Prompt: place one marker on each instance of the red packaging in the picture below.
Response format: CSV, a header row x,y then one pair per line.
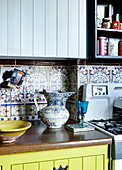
x,y
102,46
120,48
116,24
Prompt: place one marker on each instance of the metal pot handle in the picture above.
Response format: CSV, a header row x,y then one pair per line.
x,y
35,100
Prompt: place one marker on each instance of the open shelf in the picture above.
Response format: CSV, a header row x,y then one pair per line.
x,y
108,56
109,29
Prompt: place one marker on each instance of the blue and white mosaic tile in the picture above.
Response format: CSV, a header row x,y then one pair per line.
x,y
83,75
99,74
117,74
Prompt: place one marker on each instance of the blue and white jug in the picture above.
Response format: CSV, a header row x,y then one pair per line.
x,y
54,115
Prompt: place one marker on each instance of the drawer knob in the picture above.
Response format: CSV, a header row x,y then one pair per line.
x,y
60,168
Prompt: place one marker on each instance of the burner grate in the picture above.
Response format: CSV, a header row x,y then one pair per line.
x,y
111,125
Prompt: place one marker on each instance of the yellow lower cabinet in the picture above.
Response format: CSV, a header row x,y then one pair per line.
x,y
82,158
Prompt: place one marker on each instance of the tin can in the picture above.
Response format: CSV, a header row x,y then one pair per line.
x,y
120,48
113,48
102,46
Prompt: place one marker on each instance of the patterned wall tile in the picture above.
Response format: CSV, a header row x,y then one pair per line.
x,y
99,74
58,78
37,78
83,75
116,74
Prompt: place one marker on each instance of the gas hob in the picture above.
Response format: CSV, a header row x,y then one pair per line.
x,y
112,127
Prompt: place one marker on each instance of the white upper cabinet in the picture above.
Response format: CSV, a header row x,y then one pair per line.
x,y
43,28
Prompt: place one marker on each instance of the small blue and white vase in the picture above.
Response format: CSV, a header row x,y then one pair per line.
x,y
54,115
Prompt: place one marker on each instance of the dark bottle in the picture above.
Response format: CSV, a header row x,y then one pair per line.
x,y
115,16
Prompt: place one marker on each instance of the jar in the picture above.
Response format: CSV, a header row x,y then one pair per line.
x,y
106,23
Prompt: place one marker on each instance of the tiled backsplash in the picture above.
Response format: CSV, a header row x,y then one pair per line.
x,y
19,104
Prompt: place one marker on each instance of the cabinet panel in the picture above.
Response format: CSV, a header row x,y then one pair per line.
x,y
75,163
27,27
46,165
62,49
73,28
39,27
63,163
51,28
3,27
14,27
89,163
31,166
100,162
17,167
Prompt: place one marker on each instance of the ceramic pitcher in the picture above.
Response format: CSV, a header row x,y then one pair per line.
x,y
54,115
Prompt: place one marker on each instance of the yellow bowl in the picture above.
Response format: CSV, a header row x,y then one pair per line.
x,y
10,130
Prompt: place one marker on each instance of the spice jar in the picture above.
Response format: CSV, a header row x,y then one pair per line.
x,y
106,23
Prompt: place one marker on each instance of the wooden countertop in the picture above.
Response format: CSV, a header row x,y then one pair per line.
x,y
39,138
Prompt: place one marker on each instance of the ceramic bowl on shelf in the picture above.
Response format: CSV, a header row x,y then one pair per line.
x,y
10,130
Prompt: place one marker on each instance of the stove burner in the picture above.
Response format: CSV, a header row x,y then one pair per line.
x,y
111,125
